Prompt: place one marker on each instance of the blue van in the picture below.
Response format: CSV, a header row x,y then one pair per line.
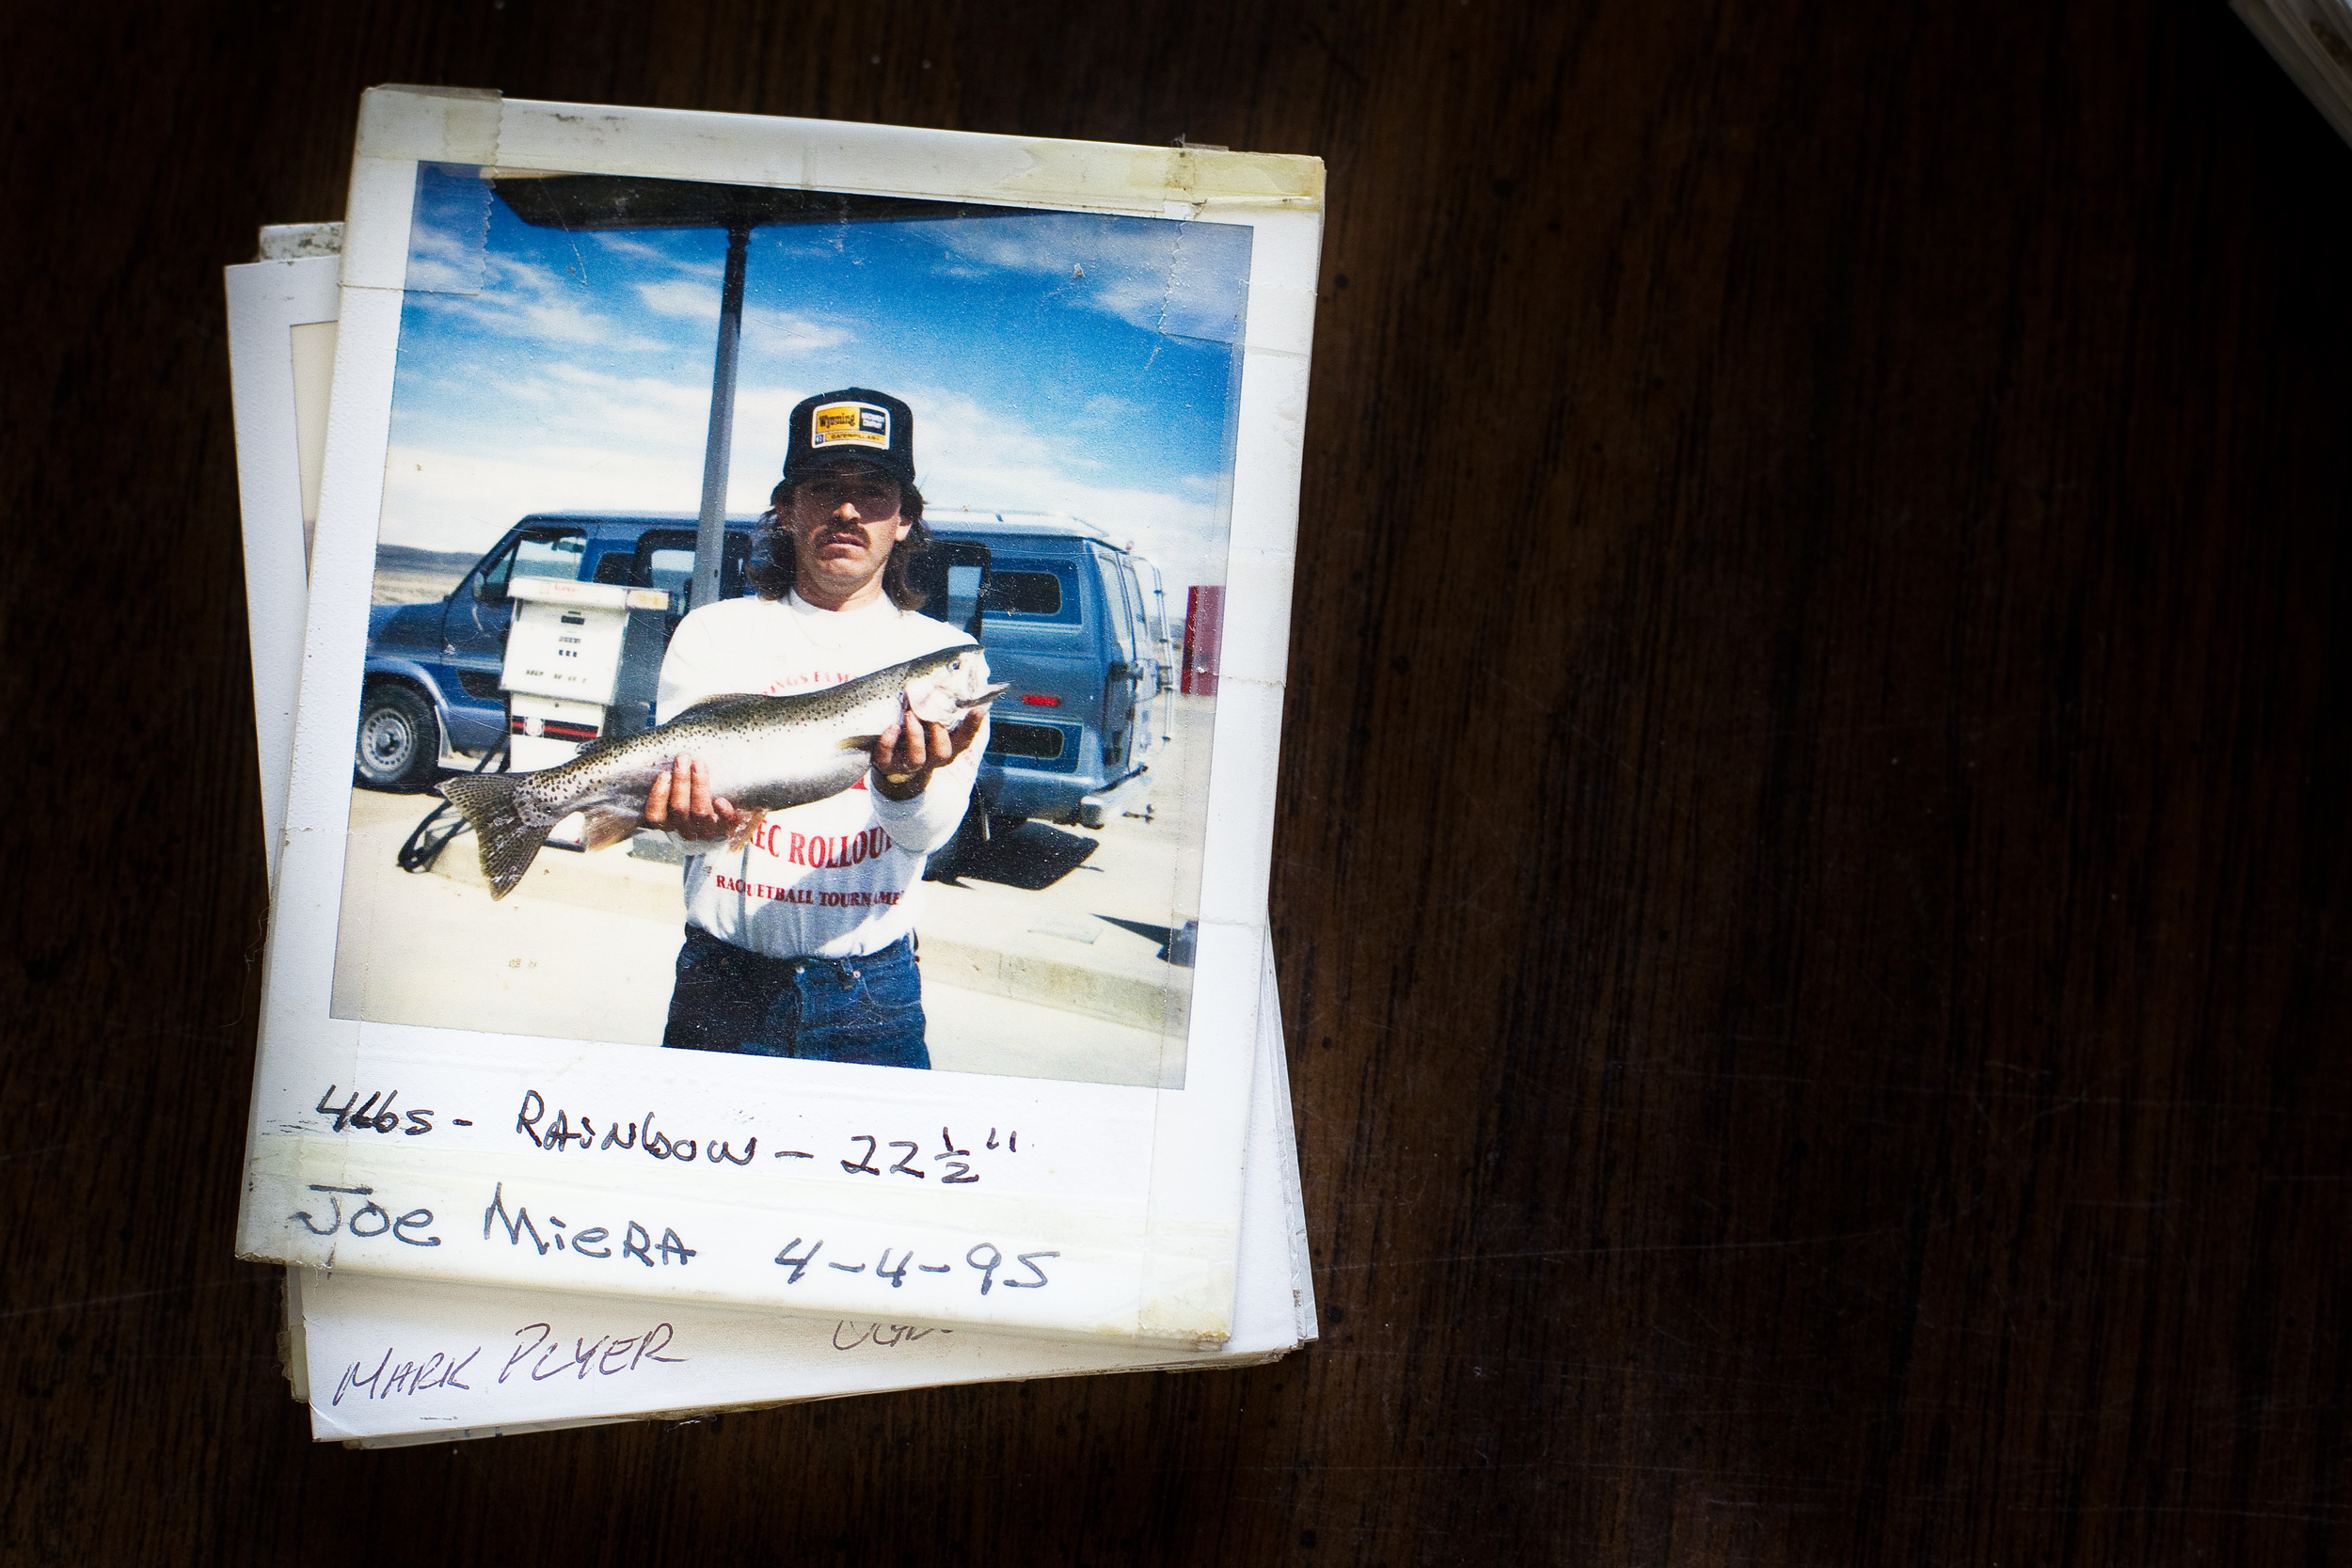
x,y
1075,619
1079,624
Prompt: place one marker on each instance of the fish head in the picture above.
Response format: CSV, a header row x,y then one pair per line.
x,y
941,689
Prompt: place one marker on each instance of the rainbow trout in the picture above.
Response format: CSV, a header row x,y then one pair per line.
x,y
764,753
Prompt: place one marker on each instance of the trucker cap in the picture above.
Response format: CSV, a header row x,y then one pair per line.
x,y
855,424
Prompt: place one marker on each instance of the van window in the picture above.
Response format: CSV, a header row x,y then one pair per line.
x,y
1031,587
490,585
1024,593
1025,740
553,556
1164,644
1042,747
1137,606
670,570
666,561
963,593
1118,603
541,553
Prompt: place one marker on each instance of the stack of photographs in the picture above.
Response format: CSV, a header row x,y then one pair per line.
x,y
768,659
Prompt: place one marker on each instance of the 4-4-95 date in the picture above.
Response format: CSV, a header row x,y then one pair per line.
x,y
985,1259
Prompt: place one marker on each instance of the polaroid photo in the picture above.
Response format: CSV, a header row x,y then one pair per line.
x,y
281,315
835,579
281,355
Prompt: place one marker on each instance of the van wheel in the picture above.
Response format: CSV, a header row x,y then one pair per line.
x,y
398,741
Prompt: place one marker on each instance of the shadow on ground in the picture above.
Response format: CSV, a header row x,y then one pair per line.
x,y
1030,857
1176,942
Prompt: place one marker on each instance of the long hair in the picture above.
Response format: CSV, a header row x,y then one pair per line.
x,y
774,565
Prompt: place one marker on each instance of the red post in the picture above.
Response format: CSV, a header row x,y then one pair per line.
x,y
1204,638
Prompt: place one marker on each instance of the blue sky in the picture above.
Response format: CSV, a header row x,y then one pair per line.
x,y
1055,361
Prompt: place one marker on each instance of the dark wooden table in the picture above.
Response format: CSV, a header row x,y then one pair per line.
x,y
1814,887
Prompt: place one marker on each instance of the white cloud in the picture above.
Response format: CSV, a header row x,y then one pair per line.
x,y
1102,405
1164,277
971,457
638,254
572,438
776,330
440,500
444,261
521,299
599,441
765,327
683,297
439,275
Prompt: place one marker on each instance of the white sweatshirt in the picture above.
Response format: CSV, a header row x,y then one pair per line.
x,y
837,877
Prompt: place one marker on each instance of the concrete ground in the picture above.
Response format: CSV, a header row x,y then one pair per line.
x,y
1046,954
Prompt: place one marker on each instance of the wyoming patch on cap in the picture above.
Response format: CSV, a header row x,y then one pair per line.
x,y
863,424
855,423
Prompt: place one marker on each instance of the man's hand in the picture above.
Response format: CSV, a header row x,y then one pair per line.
x,y
905,753
680,801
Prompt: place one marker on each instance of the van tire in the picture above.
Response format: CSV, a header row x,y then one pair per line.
x,y
400,741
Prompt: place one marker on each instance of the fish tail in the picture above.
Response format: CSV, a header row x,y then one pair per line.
x,y
508,838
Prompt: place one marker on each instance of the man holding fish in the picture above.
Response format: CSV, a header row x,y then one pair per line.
x,y
815,744
798,936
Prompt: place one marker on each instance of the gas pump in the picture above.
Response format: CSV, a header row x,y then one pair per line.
x,y
562,665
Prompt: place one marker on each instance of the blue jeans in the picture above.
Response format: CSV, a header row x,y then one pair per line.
x,y
868,1010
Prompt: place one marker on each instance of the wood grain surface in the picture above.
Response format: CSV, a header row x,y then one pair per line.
x,y
1814,886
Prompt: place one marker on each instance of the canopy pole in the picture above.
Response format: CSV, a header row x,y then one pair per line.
x,y
710,536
